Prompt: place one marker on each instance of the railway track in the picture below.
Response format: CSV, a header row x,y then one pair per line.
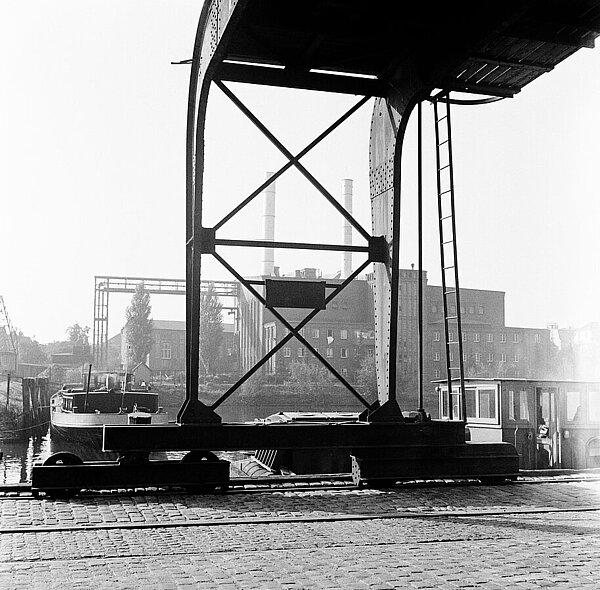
x,y
279,484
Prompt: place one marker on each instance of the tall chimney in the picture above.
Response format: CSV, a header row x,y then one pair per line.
x,y
346,227
269,226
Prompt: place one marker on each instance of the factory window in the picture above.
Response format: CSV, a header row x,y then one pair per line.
x,y
480,309
165,350
330,333
477,357
344,372
287,352
476,337
436,356
515,338
453,309
503,338
301,352
490,357
344,353
344,334
503,358
301,331
464,336
490,338
436,336
516,358
370,352
436,373
451,336
471,309
329,353
536,338
451,357
315,333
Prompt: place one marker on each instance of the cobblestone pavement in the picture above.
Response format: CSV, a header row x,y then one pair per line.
x,y
516,536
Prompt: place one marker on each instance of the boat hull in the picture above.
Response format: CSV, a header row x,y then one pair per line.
x,y
88,428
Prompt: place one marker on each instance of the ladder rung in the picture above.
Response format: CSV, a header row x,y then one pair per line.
x,y
455,368
452,317
442,118
442,143
445,192
449,292
453,342
448,267
448,241
446,217
444,167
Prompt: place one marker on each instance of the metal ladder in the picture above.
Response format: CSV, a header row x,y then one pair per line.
x,y
448,252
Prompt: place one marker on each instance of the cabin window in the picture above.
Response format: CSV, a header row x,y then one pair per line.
x,y
436,336
523,405
574,406
481,402
344,334
287,352
344,353
315,333
518,409
594,406
329,353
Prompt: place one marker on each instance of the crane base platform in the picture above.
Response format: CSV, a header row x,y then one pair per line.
x,y
488,462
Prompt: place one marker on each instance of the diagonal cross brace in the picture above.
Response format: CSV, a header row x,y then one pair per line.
x,y
293,331
293,160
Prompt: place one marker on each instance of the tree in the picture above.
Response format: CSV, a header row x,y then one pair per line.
x,y
138,327
366,378
78,335
308,378
211,330
30,350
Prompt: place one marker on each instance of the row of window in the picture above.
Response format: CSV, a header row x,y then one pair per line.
x,y
514,358
477,337
329,332
302,352
471,309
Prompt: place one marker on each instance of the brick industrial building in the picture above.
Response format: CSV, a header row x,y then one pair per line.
x,y
344,335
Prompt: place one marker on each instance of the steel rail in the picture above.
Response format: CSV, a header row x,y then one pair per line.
x,y
262,520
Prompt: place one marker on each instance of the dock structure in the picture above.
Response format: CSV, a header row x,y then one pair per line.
x,y
398,57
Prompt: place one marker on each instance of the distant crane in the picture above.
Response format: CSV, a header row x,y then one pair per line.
x,y
8,339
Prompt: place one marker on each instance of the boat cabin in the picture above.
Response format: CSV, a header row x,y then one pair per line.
x,y
108,402
552,424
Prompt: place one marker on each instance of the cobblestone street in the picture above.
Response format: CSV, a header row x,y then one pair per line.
x,y
515,536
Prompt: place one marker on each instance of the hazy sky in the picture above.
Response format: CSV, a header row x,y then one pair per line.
x,y
92,170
